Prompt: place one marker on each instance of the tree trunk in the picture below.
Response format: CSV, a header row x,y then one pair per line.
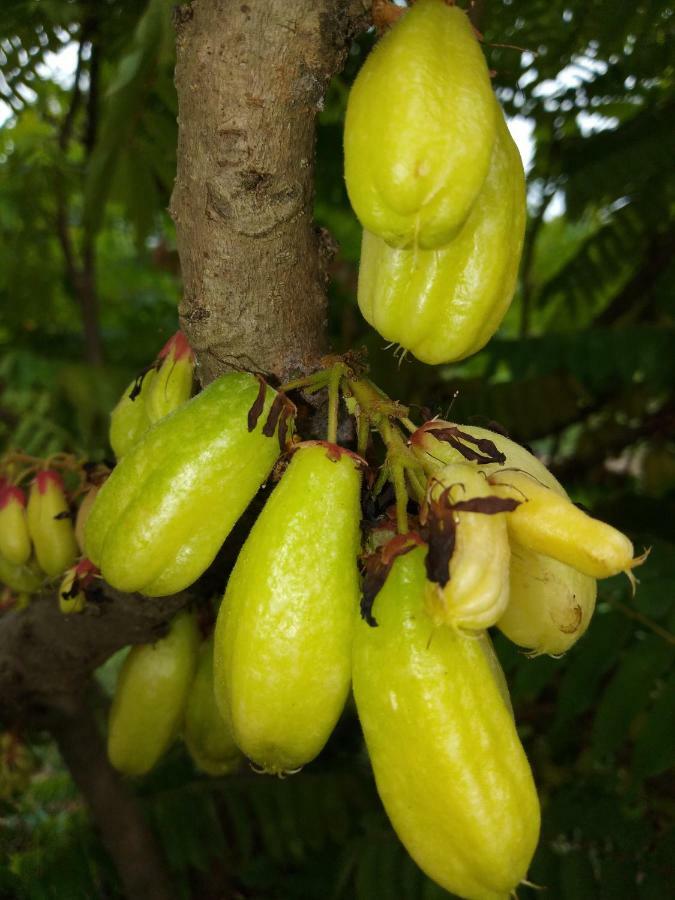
x,y
114,809
251,78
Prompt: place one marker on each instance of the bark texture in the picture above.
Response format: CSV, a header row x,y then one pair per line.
x,y
251,77
46,658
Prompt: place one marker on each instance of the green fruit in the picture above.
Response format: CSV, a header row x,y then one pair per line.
x,y
419,128
163,514
150,697
448,763
172,384
445,304
129,420
207,735
15,544
26,578
49,524
284,631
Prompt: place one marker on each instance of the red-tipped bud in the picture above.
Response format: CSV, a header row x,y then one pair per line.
x,y
12,494
47,477
177,347
49,523
15,545
172,384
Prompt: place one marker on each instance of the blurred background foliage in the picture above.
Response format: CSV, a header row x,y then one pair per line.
x,y
583,370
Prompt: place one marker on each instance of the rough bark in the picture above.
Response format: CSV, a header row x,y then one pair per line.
x,y
251,78
115,810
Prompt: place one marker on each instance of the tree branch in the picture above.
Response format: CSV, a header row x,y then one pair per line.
x,y
46,658
251,78
116,812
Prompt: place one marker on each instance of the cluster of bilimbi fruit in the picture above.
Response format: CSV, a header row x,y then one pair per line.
x,y
321,597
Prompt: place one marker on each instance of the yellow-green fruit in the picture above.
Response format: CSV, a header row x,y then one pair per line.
x,y
15,544
477,588
172,384
419,128
150,697
550,524
163,514
445,304
207,735
83,511
550,603
284,631
27,577
49,523
448,763
69,602
438,452
129,420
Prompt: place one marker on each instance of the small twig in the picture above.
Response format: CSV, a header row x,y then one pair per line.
x,y
653,626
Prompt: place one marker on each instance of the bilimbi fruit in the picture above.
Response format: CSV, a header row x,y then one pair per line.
x,y
49,523
547,523
284,630
550,604
83,511
15,543
150,697
26,578
129,420
164,512
162,388
72,596
445,304
206,732
558,551
420,125
469,556
448,763
172,385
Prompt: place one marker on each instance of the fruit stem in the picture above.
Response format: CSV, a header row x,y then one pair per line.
x,y
316,381
362,433
401,492
335,376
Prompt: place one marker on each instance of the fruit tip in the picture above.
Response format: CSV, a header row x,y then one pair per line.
x,y
178,347
46,476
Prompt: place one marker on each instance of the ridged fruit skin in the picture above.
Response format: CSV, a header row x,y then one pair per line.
x,y
477,591
448,763
164,512
15,543
419,128
53,538
129,420
445,304
172,384
284,630
552,525
149,702
207,735
550,604
27,578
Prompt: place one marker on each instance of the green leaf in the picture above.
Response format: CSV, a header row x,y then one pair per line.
x,y
628,692
655,746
